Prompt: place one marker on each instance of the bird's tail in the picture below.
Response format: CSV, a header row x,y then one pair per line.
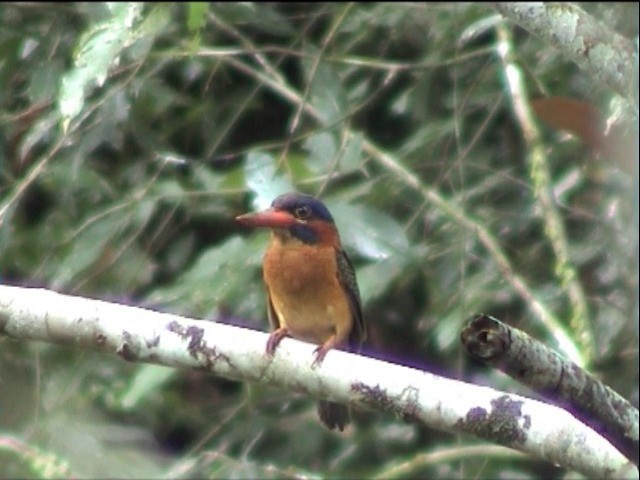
x,y
333,415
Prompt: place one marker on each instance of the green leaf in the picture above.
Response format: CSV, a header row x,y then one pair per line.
x,y
261,17
86,248
39,133
263,179
374,279
153,24
43,87
220,274
352,154
373,234
98,49
88,430
326,93
322,151
197,15
169,190
147,381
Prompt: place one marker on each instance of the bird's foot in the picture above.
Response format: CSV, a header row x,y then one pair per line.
x,y
274,339
319,353
322,351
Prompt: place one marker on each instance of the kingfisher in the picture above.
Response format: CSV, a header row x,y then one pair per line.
x,y
312,293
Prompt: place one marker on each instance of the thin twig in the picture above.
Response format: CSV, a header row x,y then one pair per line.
x,y
411,468
541,178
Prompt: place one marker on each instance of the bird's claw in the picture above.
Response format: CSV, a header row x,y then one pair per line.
x,y
274,339
271,346
320,353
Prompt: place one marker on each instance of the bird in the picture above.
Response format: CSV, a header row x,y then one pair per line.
x,y
311,287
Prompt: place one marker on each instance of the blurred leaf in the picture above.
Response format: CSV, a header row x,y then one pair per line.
x,y
326,93
570,115
324,156
263,180
197,15
22,460
322,151
93,444
41,132
169,189
43,87
85,249
219,276
99,47
374,279
153,24
62,180
373,234
211,181
196,20
259,16
147,381
352,154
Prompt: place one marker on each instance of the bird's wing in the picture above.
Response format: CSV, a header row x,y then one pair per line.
x,y
347,278
273,316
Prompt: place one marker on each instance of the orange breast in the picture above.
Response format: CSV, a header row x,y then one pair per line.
x,y
305,291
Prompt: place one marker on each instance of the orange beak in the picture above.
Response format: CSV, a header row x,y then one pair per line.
x,y
269,218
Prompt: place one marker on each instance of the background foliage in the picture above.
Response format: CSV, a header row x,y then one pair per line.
x,y
132,134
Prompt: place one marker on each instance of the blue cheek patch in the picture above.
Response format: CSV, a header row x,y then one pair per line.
x,y
304,233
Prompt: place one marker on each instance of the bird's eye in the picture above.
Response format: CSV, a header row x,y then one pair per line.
x,y
302,212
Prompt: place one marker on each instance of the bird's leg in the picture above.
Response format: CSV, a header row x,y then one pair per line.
x,y
322,350
274,339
